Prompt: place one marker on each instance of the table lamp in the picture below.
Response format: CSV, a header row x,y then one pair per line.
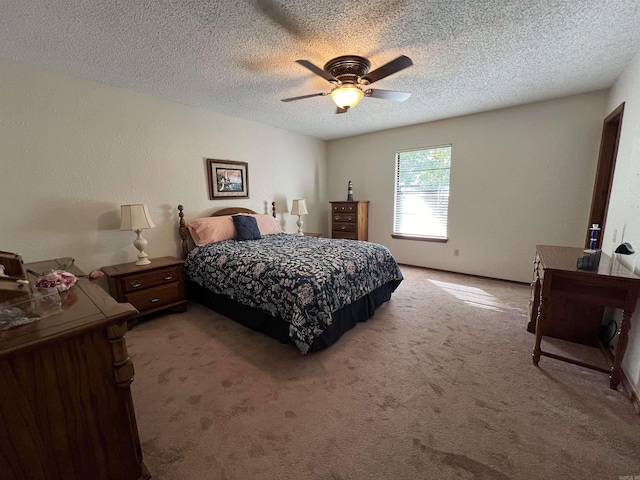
x,y
136,217
299,208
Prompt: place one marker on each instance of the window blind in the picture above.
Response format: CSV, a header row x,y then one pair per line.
x,y
422,192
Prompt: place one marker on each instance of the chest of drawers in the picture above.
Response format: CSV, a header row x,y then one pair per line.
x,y
349,219
149,288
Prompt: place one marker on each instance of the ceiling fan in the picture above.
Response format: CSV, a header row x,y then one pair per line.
x,y
351,78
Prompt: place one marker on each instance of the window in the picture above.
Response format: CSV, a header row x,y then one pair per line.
x,y
421,203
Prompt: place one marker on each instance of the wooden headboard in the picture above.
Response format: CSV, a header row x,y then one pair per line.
x,y
183,231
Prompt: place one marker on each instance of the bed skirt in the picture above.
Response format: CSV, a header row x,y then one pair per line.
x,y
342,320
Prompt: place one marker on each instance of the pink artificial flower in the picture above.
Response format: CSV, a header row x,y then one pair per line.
x,y
95,274
58,279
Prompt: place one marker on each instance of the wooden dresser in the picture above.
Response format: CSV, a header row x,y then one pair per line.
x,y
149,288
66,411
350,219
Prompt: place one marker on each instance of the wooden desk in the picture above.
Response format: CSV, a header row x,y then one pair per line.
x,y
66,411
612,285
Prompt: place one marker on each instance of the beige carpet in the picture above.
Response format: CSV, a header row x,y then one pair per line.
x,y
439,384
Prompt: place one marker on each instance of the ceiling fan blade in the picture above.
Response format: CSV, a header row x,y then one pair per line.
x,y
388,95
317,70
341,110
387,69
291,99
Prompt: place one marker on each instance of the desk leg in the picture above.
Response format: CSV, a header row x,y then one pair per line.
x,y
620,349
541,322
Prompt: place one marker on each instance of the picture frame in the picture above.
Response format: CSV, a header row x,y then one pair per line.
x,y
227,179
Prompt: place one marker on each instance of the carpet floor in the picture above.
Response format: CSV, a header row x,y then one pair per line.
x,y
439,384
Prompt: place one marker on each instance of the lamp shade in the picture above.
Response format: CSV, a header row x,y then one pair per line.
x,y
299,207
135,217
347,96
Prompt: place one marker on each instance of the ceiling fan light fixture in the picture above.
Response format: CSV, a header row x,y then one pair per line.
x,y
347,96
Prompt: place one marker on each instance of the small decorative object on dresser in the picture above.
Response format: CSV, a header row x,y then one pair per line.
x,y
593,238
136,217
148,288
349,191
350,220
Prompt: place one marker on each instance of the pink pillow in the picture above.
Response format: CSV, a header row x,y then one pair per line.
x,y
267,224
211,229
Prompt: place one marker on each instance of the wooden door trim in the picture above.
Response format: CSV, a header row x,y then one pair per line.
x,y
610,139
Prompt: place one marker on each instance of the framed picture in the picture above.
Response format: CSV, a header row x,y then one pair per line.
x,y
227,179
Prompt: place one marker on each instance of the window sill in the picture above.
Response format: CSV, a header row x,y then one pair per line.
x,y
419,238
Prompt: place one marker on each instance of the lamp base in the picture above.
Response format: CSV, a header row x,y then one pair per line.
x,y
141,244
299,223
143,261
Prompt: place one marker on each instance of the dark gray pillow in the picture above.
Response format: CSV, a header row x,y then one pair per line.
x,y
246,227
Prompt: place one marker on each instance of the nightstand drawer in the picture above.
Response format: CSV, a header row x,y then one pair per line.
x,y
155,297
344,217
153,278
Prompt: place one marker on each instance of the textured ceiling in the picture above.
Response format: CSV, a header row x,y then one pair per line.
x,y
237,57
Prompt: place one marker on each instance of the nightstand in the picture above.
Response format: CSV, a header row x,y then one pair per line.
x,y
309,234
149,288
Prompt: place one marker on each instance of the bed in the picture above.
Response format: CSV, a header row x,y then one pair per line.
x,y
298,289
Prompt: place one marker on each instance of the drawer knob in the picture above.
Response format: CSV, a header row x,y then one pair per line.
x,y
154,300
168,277
136,283
342,227
336,218
350,218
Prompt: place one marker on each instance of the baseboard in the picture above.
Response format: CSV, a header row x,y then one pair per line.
x,y
466,274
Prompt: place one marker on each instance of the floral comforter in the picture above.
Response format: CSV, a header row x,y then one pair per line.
x,y
300,279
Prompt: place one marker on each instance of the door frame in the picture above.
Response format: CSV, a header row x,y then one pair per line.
x,y
611,129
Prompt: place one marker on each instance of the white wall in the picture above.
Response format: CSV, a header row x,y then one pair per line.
x,y
624,206
73,151
520,176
